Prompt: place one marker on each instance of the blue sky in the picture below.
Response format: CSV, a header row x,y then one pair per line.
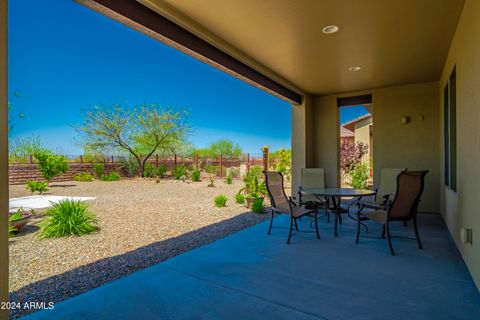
x,y
64,57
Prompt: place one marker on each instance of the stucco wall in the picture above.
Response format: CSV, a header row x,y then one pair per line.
x,y
414,145
460,209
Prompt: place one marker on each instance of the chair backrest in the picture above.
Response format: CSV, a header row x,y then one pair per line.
x,y
388,183
410,186
276,192
313,178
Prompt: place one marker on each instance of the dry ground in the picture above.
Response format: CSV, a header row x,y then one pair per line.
x,y
142,223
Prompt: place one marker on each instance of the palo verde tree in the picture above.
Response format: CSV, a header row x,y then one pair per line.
x,y
139,130
225,147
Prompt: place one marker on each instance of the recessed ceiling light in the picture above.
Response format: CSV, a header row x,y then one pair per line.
x,y
354,68
330,29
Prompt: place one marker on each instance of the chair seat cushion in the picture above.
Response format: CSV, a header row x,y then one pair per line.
x,y
379,216
371,204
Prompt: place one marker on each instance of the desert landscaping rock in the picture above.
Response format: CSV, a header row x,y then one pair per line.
x,y
141,223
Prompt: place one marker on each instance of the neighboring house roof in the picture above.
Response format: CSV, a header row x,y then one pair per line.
x,y
350,125
345,133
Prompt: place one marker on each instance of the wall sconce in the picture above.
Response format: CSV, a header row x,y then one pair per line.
x,y
421,118
405,119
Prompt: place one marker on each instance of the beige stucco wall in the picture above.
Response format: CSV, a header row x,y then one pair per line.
x,y
362,134
461,209
414,145
3,159
301,139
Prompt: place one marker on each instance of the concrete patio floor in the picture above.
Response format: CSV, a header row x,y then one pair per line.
x,y
250,275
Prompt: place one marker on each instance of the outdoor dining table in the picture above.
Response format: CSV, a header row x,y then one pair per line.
x,y
333,194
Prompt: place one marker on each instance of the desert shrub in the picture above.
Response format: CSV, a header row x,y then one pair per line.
x,y
179,172
99,169
258,206
67,218
234,171
229,179
360,176
83,177
196,175
239,198
112,176
149,170
220,200
37,186
161,170
130,167
50,164
212,169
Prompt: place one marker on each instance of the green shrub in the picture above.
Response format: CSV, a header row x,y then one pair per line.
x,y
179,172
50,164
67,218
37,186
360,176
149,170
229,179
212,169
130,167
112,176
220,200
83,177
161,170
258,206
239,198
196,175
99,170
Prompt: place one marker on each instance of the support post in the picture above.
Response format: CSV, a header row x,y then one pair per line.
x,y
81,159
156,160
175,160
248,162
265,158
221,166
30,159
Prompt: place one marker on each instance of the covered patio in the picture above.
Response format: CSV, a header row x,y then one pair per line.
x,y
250,275
418,62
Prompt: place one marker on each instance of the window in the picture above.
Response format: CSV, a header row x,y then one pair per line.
x,y
450,130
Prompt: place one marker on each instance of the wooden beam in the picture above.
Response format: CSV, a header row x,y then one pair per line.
x,y
354,101
145,20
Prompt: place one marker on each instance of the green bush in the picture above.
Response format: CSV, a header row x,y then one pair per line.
x,y
112,176
67,218
179,172
99,170
212,169
161,170
196,175
130,167
258,206
220,200
37,186
149,170
360,176
83,177
50,165
239,198
229,179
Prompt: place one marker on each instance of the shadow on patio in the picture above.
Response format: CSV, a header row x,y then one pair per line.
x,y
85,278
250,275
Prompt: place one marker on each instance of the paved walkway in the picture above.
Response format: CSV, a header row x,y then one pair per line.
x,y
250,275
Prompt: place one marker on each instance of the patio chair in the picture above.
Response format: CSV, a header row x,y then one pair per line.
x,y
410,186
385,190
280,203
313,178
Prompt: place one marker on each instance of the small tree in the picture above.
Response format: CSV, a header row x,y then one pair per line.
x,y
225,147
283,162
50,164
141,130
351,155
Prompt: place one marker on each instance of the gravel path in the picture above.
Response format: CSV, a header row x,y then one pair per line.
x,y
142,223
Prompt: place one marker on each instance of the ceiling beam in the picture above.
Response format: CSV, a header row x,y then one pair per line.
x,y
143,19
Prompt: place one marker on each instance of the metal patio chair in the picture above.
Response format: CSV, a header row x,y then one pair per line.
x,y
280,203
410,185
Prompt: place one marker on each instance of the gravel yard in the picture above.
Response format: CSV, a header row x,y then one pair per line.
x,y
142,223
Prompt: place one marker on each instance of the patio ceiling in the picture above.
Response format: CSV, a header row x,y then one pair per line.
x,y
394,42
